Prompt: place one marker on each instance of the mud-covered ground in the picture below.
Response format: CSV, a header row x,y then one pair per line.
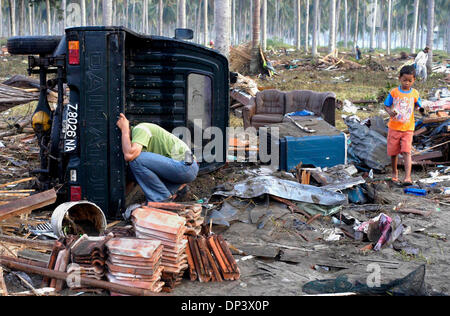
x,y
276,260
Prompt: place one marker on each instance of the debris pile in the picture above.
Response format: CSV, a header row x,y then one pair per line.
x,y
331,62
135,262
169,228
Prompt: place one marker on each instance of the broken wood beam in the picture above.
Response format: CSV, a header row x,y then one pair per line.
x,y
27,204
16,182
25,261
39,244
134,291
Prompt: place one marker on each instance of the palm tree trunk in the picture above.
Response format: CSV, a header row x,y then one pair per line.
x,y
49,19
222,16
345,24
256,26
181,20
92,12
332,38
416,16
205,22
145,16
160,20
430,32
233,22
107,12
30,16
21,17
315,25
83,12
388,38
307,26
1,19
319,28
298,28
355,37
374,25
12,16
338,18
264,24
64,13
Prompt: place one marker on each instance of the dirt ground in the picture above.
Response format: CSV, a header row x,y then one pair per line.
x,y
276,260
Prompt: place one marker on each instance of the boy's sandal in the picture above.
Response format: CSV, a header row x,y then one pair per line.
x,y
407,184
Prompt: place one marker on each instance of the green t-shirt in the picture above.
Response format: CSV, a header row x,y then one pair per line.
x,y
157,140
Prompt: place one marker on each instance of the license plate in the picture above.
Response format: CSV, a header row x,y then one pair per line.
x,y
70,128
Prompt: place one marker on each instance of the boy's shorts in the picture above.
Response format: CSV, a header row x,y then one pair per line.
x,y
399,142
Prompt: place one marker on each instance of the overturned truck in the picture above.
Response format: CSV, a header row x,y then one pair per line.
x,y
106,71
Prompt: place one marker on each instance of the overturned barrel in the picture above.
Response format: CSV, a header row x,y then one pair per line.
x,y
77,218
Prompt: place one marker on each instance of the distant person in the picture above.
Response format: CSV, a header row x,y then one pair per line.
x,y
160,162
400,105
211,44
358,53
421,64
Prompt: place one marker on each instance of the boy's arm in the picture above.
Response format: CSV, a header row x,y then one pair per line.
x,y
388,105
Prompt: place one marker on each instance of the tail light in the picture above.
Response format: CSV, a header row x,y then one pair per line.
x,y
75,193
74,52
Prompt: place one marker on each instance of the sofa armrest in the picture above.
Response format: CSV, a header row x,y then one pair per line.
x,y
329,111
248,111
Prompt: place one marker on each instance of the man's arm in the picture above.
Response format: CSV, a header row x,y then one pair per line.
x,y
130,150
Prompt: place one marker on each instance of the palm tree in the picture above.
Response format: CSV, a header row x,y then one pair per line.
x,y
430,32
298,28
307,25
222,17
83,12
205,22
345,24
374,24
12,16
332,40
49,19
264,24
107,12
416,16
255,36
388,38
160,20
181,22
315,26
355,36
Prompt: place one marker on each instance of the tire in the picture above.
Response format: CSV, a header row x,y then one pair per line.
x,y
33,45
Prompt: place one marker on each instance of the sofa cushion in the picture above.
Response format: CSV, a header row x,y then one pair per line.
x,y
267,118
270,102
298,100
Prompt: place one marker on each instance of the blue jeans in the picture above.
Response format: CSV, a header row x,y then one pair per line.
x,y
159,176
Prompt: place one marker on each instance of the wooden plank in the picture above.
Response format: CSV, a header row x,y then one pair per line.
x,y
16,182
27,204
4,290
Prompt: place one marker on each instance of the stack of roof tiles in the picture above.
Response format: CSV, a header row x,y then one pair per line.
x,y
210,259
88,256
169,229
192,213
135,262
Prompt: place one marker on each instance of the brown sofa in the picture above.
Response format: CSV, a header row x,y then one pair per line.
x,y
270,106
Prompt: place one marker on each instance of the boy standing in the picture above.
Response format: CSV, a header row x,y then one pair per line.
x,y
400,105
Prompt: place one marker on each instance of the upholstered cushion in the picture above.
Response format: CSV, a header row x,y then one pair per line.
x,y
270,102
267,118
298,100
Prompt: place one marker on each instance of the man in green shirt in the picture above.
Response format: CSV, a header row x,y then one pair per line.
x,y
159,161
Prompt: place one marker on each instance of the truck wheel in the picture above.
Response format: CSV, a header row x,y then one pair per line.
x,y
32,45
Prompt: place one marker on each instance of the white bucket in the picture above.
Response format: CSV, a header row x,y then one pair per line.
x,y
88,217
